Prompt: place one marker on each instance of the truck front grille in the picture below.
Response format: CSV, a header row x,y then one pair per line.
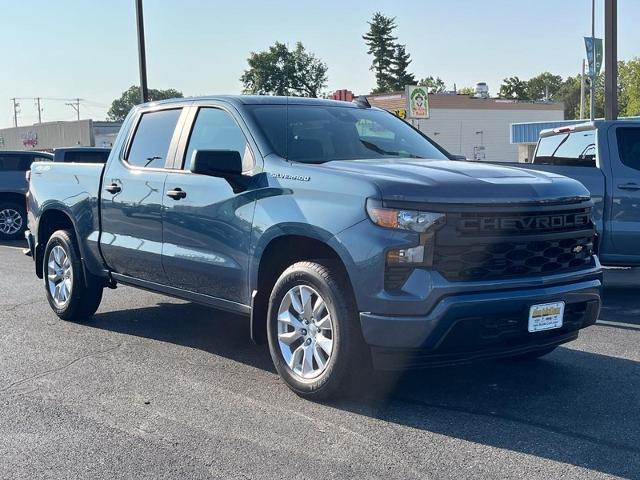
x,y
482,246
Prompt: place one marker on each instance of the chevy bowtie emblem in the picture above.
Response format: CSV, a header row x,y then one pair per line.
x,y
577,249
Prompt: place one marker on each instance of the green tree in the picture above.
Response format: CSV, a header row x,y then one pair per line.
x,y
629,87
569,94
514,88
544,86
120,107
434,85
399,66
466,91
382,47
281,71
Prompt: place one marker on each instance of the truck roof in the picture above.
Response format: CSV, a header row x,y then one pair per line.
x,y
587,125
256,100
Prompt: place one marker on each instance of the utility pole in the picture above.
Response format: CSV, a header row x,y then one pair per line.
x,y
39,110
592,91
582,92
611,59
16,105
142,57
76,106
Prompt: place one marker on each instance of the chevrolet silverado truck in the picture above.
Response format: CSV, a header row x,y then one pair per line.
x,y
605,157
347,237
14,166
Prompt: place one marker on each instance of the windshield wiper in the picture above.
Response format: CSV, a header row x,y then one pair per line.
x,y
377,149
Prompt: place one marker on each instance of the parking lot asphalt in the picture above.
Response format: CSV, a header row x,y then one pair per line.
x,y
157,388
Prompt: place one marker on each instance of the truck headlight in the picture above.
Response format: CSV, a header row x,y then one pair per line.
x,y
412,220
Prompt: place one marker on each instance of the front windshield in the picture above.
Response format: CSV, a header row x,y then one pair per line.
x,y
317,134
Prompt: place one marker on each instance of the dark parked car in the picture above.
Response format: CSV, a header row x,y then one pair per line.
x,y
346,235
13,189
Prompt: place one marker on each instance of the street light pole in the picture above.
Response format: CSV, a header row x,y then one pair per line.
x,y
611,59
144,91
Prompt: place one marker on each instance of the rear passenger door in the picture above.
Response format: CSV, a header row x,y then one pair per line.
x,y
132,196
624,144
207,231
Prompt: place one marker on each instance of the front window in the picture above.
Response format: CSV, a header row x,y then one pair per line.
x,y
317,134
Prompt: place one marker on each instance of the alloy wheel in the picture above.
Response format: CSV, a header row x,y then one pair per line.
x,y
305,332
59,276
10,221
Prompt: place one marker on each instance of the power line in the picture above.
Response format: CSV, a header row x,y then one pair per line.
x,y
76,106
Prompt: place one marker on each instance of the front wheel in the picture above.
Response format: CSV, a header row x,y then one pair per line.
x,y
314,333
69,295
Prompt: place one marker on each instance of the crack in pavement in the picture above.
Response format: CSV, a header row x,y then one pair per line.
x,y
57,369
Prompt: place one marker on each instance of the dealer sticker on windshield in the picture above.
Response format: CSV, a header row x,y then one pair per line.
x,y
546,316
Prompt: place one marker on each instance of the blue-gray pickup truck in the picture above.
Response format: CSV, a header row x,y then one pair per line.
x,y
349,238
605,157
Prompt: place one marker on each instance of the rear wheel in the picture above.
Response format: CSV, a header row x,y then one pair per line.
x,y
13,220
69,295
314,333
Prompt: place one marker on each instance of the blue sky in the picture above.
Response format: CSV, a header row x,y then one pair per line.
x,y
87,49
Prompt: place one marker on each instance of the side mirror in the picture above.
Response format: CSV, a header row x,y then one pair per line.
x,y
217,163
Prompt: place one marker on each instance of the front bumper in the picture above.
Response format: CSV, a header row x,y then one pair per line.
x,y
466,327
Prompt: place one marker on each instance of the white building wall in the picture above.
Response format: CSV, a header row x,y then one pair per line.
x,y
455,129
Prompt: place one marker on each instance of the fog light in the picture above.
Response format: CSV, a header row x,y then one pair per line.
x,y
413,255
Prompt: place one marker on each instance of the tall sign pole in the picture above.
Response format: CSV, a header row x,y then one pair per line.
x,y
611,59
142,57
592,89
582,92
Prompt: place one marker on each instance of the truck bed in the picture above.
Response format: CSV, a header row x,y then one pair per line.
x,y
73,188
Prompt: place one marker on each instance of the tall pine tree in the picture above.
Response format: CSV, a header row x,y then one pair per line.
x,y
399,65
381,43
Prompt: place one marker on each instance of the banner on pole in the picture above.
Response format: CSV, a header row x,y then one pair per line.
x,y
590,44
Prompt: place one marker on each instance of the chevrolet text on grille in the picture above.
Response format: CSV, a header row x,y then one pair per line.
x,y
526,223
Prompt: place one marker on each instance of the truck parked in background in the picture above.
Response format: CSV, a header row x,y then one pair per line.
x,y
605,157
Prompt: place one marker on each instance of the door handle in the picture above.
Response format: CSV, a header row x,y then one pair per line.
x,y
629,186
176,193
113,188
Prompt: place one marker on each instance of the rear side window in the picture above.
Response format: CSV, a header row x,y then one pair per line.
x,y
85,157
15,163
577,149
152,138
629,146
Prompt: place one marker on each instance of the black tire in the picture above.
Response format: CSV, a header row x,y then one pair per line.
x,y
86,294
13,208
349,357
531,356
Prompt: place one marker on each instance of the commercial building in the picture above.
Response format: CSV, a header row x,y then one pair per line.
x,y
50,135
474,126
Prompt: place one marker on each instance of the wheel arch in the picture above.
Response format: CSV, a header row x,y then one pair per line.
x,y
53,218
275,255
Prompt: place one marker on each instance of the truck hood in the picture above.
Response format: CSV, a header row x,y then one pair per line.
x,y
444,181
